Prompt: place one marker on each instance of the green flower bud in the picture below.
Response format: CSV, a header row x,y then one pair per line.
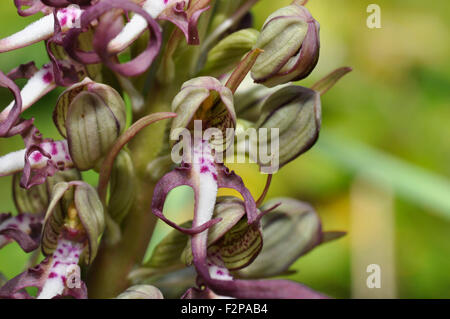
x,y
203,98
249,97
122,187
35,200
296,112
75,213
289,231
290,40
223,57
91,116
232,239
141,292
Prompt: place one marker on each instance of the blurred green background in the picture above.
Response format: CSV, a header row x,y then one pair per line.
x,y
384,142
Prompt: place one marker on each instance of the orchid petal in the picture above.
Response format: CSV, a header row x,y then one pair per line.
x,y
37,86
186,22
178,177
25,229
34,6
134,28
41,29
65,257
23,71
52,276
36,158
107,30
10,119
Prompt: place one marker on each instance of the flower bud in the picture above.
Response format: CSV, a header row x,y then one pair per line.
x,y
223,57
296,112
75,214
91,116
232,240
290,230
206,99
36,199
199,98
290,40
141,292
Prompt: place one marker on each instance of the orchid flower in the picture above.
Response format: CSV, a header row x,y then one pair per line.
x,y
73,223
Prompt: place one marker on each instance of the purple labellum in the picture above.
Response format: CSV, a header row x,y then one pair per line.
x,y
23,71
34,6
37,161
108,28
204,176
25,229
44,160
217,278
9,118
38,85
64,260
176,13
56,276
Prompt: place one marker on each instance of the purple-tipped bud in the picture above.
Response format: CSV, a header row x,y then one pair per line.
x,y
290,40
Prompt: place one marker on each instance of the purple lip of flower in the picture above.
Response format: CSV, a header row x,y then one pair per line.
x,y
50,276
24,228
41,157
35,6
205,177
106,31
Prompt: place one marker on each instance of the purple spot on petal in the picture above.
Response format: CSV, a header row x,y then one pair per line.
x,y
54,149
60,251
48,77
53,275
204,169
37,157
64,21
